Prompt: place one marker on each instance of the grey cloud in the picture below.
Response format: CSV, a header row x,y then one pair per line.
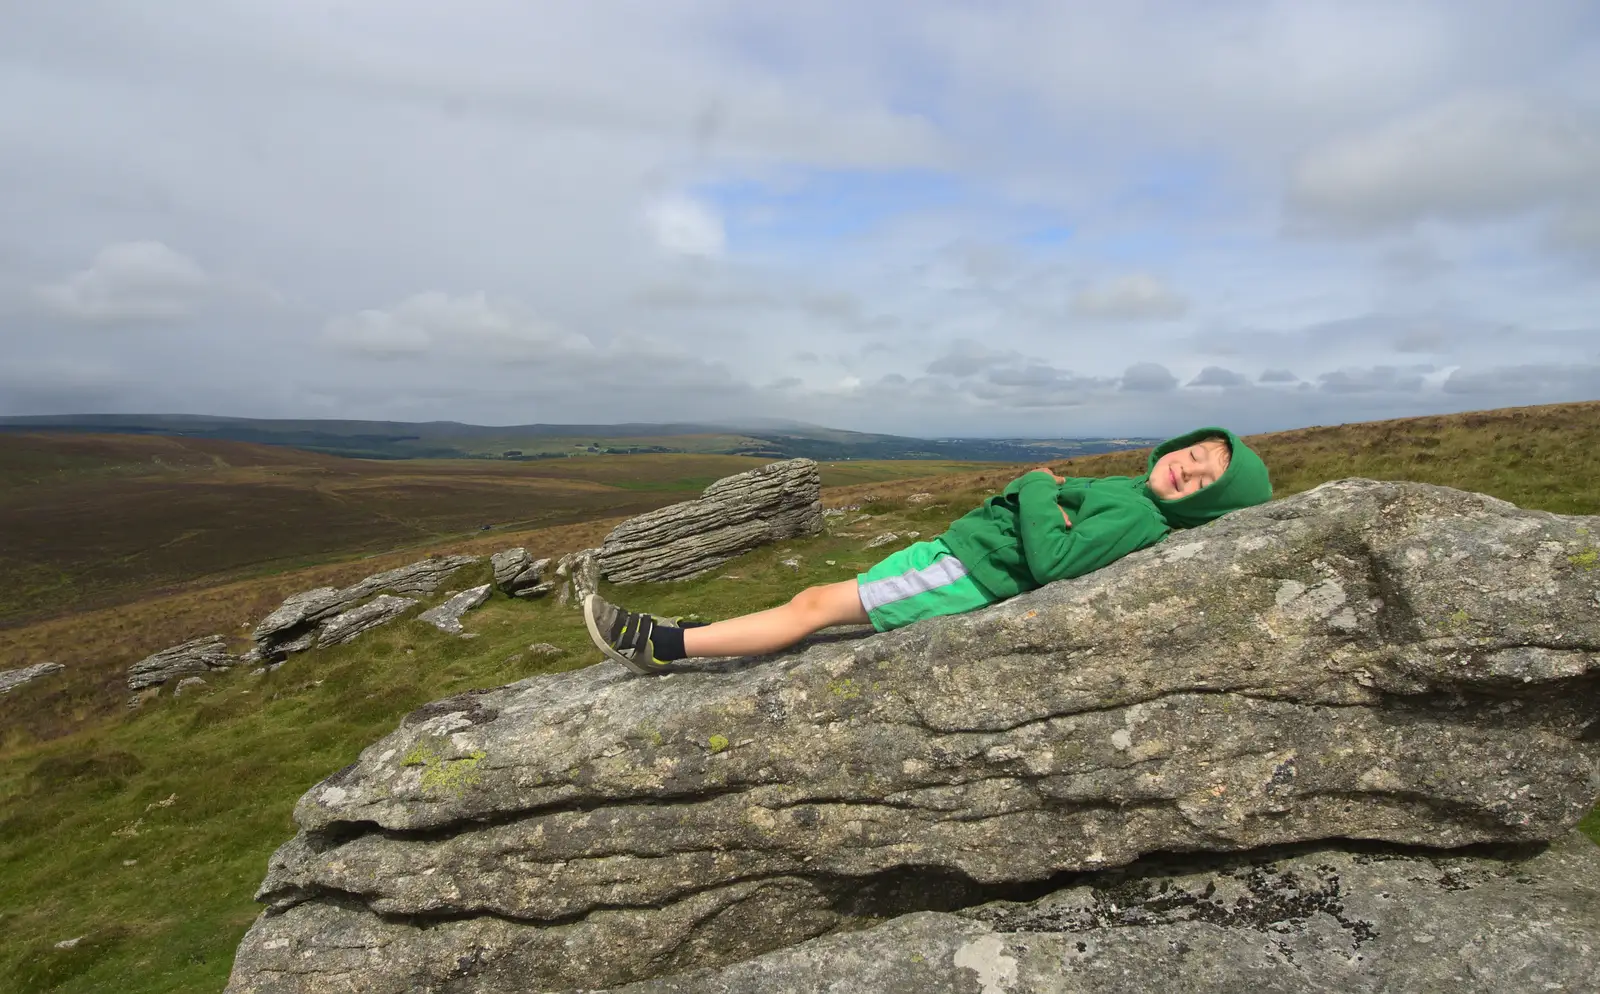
x,y
1277,376
804,356
1134,297
1465,159
1148,377
1541,383
1374,379
968,358
785,383
1216,376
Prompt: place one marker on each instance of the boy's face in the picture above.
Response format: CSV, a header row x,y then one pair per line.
x,y
1181,472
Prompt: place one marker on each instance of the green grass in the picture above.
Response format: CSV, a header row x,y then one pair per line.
x,y
75,810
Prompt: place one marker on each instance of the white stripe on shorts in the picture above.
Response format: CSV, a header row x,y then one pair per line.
x,y
942,572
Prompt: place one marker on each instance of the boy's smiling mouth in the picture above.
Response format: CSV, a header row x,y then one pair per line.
x,y
1173,475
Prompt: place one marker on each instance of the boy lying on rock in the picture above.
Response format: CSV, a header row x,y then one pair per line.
x,y
1040,528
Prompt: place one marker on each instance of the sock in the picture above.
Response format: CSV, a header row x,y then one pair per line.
x,y
666,641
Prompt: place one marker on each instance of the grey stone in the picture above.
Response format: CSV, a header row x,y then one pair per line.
x,y
1394,662
883,540
577,576
202,655
546,649
447,616
920,498
1329,922
518,574
381,610
732,516
293,626
12,679
188,683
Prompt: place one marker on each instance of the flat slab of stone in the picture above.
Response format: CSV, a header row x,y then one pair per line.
x,y
1380,661
12,679
447,616
732,516
202,655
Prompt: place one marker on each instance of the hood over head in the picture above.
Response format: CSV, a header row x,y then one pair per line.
x,y
1243,484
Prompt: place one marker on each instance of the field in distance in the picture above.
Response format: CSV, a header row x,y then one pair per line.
x,y
93,520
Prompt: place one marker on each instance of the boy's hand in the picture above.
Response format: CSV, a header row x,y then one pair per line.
x,y
1065,518
1047,469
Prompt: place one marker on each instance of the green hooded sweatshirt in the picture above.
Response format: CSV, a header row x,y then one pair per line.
x,y
1016,541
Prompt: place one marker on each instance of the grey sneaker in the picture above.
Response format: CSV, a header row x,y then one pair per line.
x,y
622,636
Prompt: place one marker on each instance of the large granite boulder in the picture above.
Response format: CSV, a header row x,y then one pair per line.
x,y
1381,661
1331,921
201,655
732,516
12,679
294,626
518,574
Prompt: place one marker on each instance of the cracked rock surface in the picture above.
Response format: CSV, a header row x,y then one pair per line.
x,y
1331,922
732,516
1373,661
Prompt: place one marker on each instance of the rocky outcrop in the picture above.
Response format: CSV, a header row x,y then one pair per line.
x,y
734,515
294,626
447,616
577,576
518,574
1399,663
346,625
1328,921
12,679
201,655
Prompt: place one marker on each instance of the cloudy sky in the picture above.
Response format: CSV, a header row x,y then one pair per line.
x,y
933,218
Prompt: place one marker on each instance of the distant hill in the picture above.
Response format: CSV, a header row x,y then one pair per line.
x,y
454,440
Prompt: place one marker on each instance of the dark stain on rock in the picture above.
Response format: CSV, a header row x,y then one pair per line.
x,y
467,703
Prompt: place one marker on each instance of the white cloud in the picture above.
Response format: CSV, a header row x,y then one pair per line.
x,y
686,227
1468,159
1133,297
129,281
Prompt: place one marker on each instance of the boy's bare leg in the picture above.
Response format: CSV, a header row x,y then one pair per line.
x,y
777,628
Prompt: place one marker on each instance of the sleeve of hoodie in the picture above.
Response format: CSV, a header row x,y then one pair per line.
x,y
1106,527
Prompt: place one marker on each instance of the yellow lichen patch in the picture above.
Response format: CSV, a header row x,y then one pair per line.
x,y
441,775
452,776
1586,560
845,688
717,743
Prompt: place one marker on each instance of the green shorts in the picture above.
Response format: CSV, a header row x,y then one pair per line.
x,y
924,580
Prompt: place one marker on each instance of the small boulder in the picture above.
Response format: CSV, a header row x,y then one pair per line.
x,y
919,498
577,576
883,539
447,616
188,683
546,649
12,679
201,655
518,574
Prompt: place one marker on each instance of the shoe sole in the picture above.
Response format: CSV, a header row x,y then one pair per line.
x,y
600,641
